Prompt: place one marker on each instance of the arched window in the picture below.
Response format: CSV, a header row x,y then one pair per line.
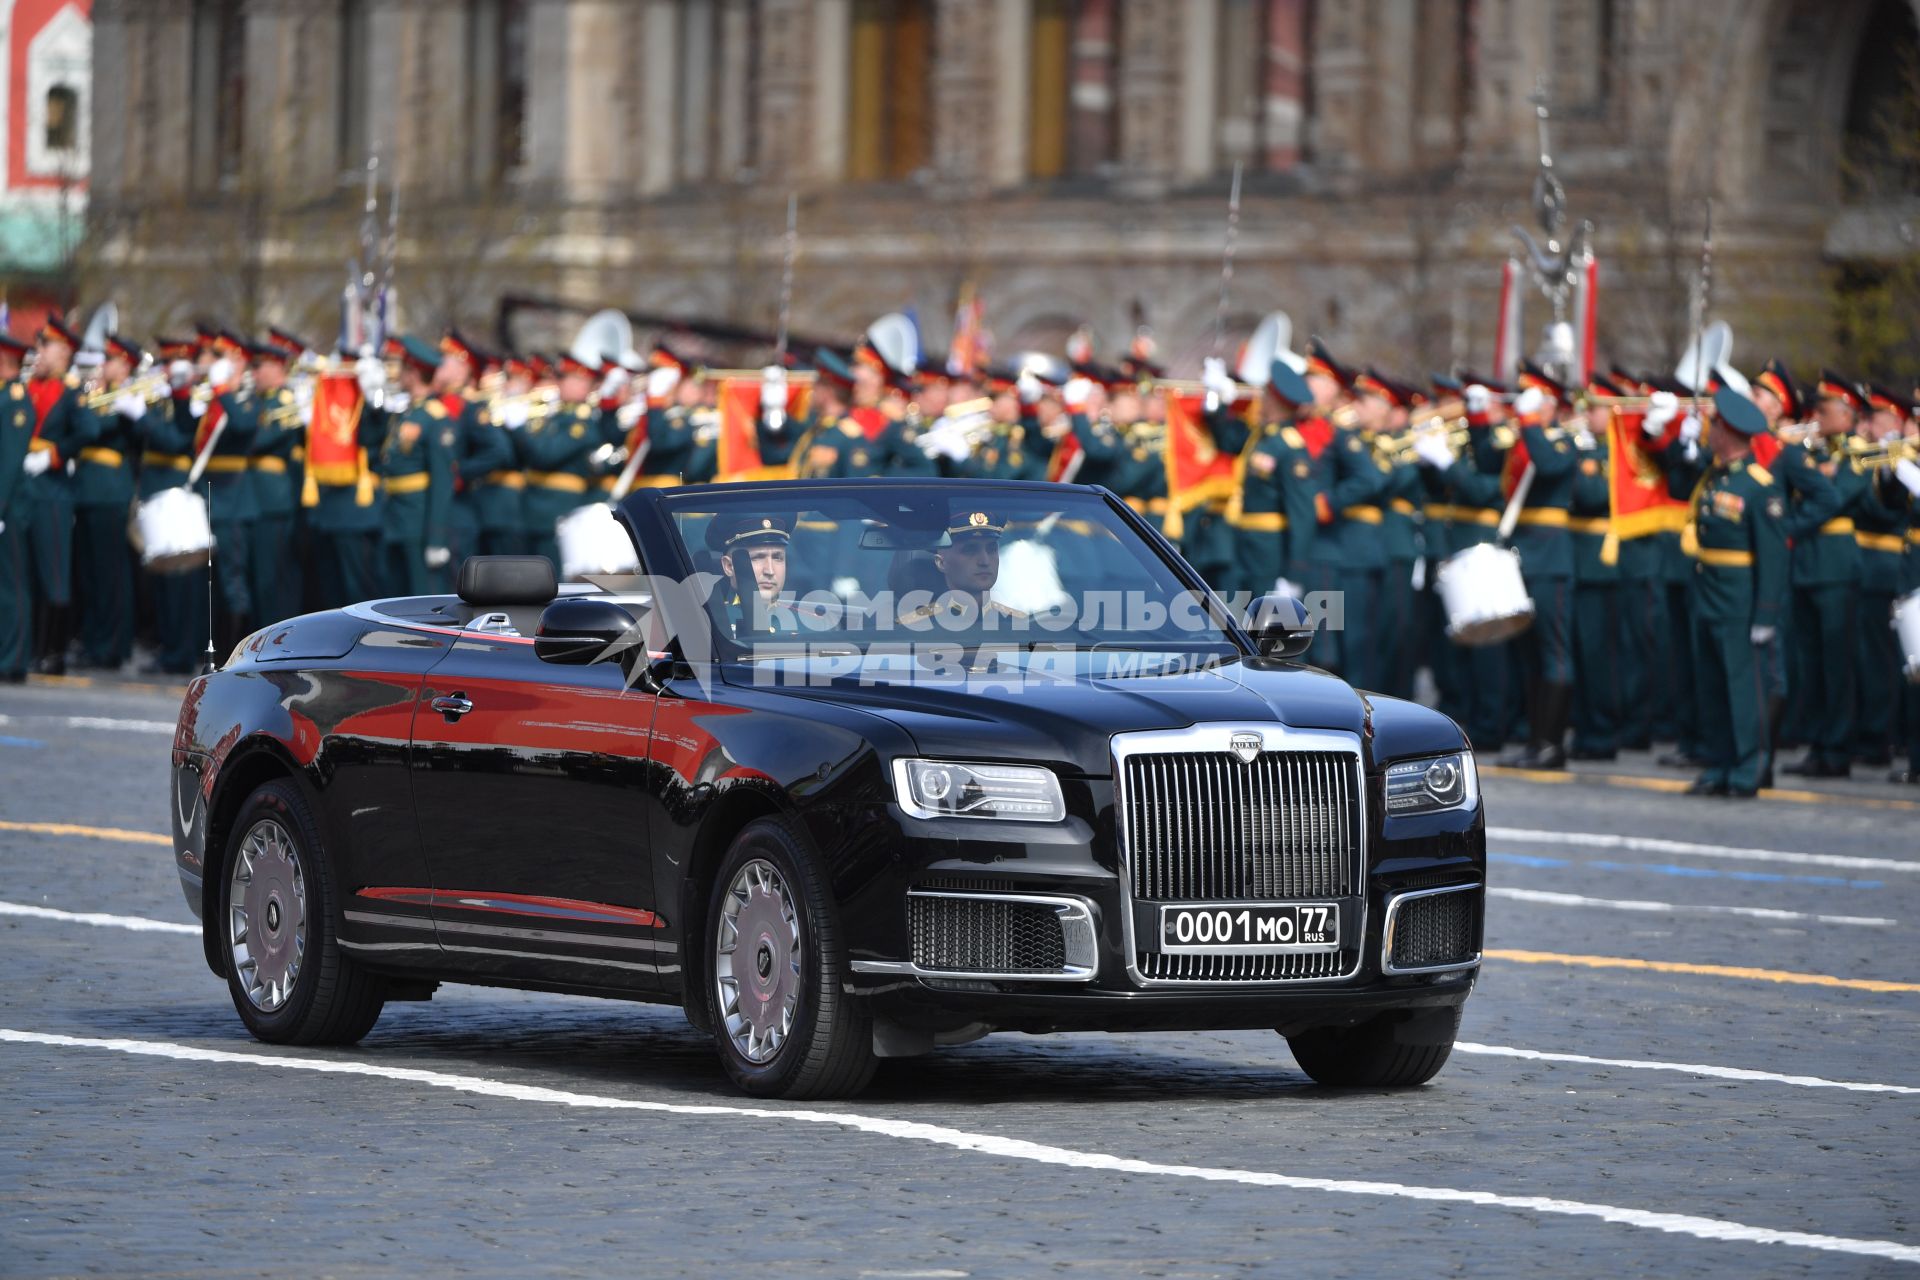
x,y
63,118
890,117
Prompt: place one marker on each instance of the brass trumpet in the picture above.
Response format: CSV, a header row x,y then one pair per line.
x,y
1869,455
150,387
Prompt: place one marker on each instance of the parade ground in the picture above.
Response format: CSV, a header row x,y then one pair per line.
x,y
1693,1050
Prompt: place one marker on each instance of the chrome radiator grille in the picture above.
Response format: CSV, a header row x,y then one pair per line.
x,y
1203,827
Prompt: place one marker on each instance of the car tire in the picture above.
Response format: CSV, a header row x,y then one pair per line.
x,y
776,972
291,981
1388,1051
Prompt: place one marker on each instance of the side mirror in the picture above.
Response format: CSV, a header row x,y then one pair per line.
x,y
581,630
1280,626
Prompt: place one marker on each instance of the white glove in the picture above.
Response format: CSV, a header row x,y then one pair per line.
x,y
1528,402
3,526
1908,474
513,415
1433,450
436,557
130,407
661,382
1662,408
1027,387
372,376
37,462
1761,635
614,383
943,440
773,389
220,372
197,409
1690,429
1214,377
629,413
1419,578
180,374
399,402
1478,399
1076,393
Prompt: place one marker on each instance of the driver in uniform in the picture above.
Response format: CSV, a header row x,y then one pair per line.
x,y
753,556
970,564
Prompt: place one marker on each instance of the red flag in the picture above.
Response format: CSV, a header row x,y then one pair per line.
x,y
1198,471
739,445
1636,484
334,455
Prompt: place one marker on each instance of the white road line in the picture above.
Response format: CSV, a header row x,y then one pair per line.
x,y
1649,844
1684,1068
94,722
1679,908
139,924
1714,1229
145,925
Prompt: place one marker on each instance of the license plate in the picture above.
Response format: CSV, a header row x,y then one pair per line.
x,y
1251,928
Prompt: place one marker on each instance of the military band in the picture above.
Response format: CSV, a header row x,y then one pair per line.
x,y
1749,614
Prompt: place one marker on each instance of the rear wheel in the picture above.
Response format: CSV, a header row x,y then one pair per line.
x,y
782,1020
1388,1051
290,980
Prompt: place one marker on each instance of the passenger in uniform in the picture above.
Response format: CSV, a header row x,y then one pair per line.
x,y
16,514
970,566
1826,578
416,473
57,439
753,558
102,491
1740,586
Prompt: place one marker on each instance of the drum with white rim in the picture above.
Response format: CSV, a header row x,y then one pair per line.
x,y
592,540
171,531
1484,595
1906,621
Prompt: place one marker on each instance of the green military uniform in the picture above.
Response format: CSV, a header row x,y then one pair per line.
x,y
59,433
1277,478
747,616
1145,479
103,559
1880,529
416,474
557,451
1826,578
1597,633
279,439
1356,549
1474,503
1739,590
179,599
16,433
1400,535
344,518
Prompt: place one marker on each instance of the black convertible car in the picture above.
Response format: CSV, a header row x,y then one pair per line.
x,y
849,770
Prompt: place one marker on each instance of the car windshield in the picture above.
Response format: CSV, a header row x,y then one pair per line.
x,y
801,572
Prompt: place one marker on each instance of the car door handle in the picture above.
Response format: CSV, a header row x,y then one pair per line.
x,y
452,705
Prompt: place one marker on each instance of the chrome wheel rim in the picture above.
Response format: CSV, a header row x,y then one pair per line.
x,y
756,961
267,915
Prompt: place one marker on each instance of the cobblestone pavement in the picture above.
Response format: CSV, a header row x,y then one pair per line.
x,y
133,1163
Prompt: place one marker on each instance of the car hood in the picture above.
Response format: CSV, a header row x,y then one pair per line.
x,y
1069,722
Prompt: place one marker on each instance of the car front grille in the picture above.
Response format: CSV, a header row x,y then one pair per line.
x,y
1176,967
1203,827
1436,930
978,935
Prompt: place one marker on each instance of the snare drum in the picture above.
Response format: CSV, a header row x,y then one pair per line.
x,y
1906,622
171,532
592,540
1484,595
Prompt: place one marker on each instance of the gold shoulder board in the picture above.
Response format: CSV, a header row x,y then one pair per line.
x,y
1759,473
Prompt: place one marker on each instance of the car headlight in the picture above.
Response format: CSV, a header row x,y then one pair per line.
x,y
1432,784
951,789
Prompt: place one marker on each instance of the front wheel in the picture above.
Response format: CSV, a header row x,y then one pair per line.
x,y
291,981
1388,1051
782,1020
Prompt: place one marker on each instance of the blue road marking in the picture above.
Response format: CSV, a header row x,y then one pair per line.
x,y
1701,873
